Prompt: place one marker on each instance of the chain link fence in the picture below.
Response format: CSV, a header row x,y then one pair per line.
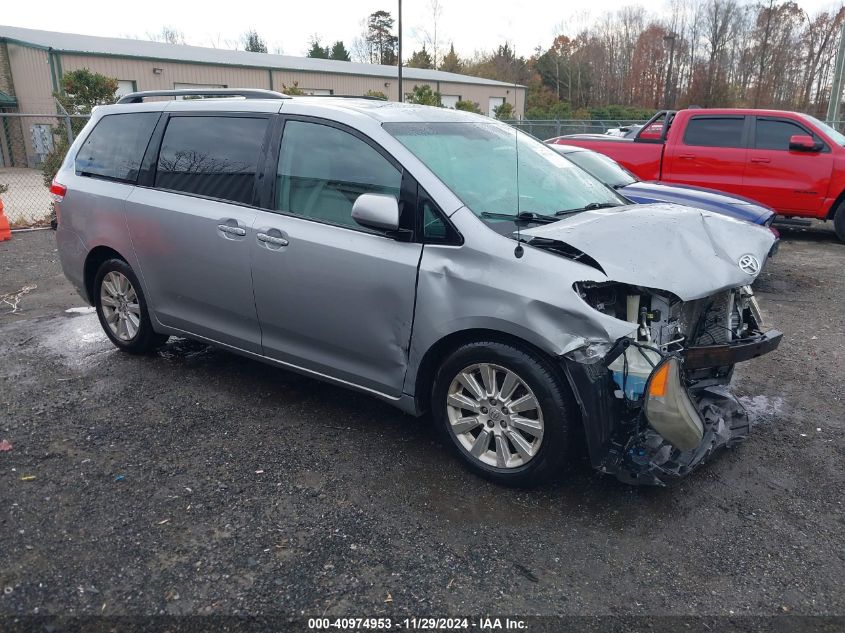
x,y
27,141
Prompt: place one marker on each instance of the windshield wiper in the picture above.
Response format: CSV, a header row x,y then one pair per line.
x,y
590,207
523,216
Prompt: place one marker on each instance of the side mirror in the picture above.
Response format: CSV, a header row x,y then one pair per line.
x,y
376,211
804,143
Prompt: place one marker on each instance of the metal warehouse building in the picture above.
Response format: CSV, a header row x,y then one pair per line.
x,y
32,63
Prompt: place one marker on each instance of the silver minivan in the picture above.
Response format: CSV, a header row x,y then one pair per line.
x,y
439,260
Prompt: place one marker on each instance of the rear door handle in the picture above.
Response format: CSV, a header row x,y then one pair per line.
x,y
232,230
760,159
270,239
686,156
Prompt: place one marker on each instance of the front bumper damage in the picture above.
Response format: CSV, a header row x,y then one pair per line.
x,y
686,413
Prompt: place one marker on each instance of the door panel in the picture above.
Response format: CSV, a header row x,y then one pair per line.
x,y
191,224
711,153
336,301
334,297
194,258
789,181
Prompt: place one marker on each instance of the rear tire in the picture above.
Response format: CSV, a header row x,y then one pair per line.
x,y
839,222
122,309
505,411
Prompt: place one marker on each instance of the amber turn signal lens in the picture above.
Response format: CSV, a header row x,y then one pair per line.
x,y
659,381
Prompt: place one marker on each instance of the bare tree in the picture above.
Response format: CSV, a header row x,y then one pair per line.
x,y
430,39
168,34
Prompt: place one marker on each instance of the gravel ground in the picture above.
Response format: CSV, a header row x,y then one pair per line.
x,y
198,482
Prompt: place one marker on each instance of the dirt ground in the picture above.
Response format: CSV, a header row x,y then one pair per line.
x,y
198,482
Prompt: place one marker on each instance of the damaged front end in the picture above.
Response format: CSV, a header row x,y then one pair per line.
x,y
656,404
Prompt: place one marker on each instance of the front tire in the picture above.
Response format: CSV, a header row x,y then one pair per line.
x,y
506,412
122,309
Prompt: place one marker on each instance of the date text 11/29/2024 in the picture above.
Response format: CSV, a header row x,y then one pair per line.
x,y
419,624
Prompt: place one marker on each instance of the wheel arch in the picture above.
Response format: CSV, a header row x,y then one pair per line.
x,y
437,352
95,258
840,199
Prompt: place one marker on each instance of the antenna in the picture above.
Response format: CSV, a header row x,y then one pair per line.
x,y
518,251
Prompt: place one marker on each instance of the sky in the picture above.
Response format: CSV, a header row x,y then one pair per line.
x,y
288,25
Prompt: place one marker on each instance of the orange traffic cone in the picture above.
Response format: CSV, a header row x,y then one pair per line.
x,y
5,231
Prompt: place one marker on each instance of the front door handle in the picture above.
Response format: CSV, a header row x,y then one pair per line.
x,y
270,239
760,159
232,230
686,156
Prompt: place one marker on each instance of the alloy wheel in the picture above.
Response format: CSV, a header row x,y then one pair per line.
x,y
494,415
120,306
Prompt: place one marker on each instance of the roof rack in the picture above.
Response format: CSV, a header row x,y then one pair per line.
x,y
246,93
366,97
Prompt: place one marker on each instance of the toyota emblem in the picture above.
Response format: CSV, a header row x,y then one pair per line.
x,y
749,264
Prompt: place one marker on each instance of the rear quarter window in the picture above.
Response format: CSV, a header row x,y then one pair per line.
x,y
211,156
115,147
714,131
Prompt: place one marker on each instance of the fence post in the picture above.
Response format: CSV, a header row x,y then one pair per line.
x,y
67,121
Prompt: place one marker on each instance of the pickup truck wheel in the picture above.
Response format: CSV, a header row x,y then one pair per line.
x,y
839,221
504,411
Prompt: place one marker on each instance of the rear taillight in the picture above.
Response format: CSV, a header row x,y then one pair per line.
x,y
58,191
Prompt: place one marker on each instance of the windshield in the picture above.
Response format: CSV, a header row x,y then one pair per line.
x,y
478,162
832,134
602,167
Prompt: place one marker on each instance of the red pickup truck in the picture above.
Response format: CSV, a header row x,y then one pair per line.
x,y
791,162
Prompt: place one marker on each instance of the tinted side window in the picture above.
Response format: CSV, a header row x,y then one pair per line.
x,y
714,132
435,228
116,146
773,134
211,156
323,170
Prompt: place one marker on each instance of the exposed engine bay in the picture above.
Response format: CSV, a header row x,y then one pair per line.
x,y
666,384
668,323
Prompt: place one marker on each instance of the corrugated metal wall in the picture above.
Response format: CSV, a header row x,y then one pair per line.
x,y
141,72
31,75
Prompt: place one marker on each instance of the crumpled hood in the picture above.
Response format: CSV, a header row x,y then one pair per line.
x,y
688,252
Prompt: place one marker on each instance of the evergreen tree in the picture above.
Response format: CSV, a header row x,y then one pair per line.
x,y
339,52
316,50
420,59
381,42
451,63
253,42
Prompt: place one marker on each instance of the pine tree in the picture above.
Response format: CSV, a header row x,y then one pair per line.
x,y
339,52
253,42
317,50
451,62
420,59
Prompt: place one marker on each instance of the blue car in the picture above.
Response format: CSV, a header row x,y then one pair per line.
x,y
614,175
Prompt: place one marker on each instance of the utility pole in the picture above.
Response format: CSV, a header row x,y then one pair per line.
x,y
401,93
836,88
666,89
